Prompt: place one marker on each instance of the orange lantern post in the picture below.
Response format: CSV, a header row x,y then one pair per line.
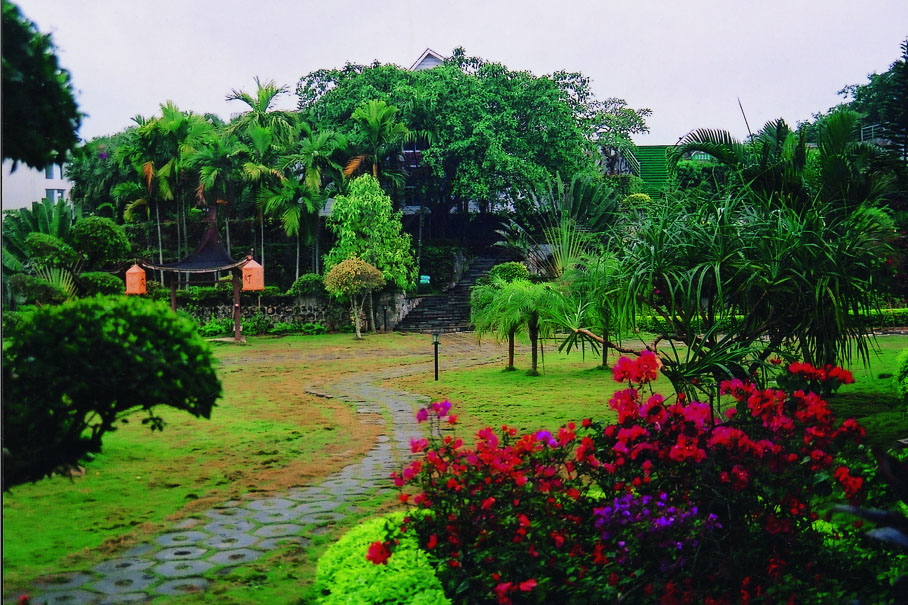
x,y
135,280
253,276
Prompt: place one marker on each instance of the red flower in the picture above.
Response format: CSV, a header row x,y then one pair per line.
x,y
378,553
433,542
487,503
527,585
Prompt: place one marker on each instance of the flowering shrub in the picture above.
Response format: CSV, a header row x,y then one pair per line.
x,y
677,501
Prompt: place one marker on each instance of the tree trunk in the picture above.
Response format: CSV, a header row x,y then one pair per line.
x,y
157,213
605,348
227,229
297,254
186,226
355,311
263,239
510,350
533,329
371,314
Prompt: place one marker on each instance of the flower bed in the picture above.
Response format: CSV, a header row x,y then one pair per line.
x,y
679,501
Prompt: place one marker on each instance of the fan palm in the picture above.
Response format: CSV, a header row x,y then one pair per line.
x,y
565,221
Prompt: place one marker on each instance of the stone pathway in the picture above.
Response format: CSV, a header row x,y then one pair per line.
x,y
241,531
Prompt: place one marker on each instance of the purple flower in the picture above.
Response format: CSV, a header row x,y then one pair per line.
x,y
422,415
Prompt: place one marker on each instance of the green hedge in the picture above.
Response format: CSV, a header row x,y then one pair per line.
x,y
345,576
901,375
883,318
100,282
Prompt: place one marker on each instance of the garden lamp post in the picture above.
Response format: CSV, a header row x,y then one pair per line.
x,y
385,314
435,343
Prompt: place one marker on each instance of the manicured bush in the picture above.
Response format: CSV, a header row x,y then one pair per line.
x,y
675,502
36,290
901,375
346,576
72,371
509,271
100,282
308,284
47,250
100,239
353,278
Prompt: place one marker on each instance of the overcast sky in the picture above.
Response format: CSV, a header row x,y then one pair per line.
x,y
689,61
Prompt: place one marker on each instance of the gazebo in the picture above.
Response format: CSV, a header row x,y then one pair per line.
x,y
209,257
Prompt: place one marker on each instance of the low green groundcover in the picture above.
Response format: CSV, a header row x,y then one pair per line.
x,y
345,575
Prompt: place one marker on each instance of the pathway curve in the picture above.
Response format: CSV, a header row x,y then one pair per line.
x,y
241,531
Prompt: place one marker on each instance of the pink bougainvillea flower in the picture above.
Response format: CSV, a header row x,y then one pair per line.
x,y
422,415
527,585
378,553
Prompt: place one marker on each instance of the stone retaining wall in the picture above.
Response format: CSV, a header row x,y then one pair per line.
x,y
304,309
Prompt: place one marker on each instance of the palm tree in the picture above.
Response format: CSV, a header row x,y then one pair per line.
x,y
219,164
504,308
145,152
381,131
776,164
293,201
312,158
261,111
265,132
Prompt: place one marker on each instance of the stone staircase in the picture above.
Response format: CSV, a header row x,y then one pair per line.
x,y
450,311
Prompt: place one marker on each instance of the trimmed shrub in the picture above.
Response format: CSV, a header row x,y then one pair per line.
x,y
901,375
37,291
71,372
509,271
99,282
101,240
47,250
308,284
345,575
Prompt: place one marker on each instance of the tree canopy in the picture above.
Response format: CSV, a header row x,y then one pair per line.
x,y
483,131
40,116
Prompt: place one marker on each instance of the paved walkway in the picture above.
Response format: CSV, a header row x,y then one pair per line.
x,y
241,531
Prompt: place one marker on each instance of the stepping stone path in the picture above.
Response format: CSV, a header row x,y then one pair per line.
x,y
242,531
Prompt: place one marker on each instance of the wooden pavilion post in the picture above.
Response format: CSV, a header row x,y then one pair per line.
x,y
237,316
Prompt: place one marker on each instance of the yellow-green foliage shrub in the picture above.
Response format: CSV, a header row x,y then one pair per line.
x,y
344,575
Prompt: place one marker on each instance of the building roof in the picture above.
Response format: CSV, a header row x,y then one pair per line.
x,y
209,256
427,60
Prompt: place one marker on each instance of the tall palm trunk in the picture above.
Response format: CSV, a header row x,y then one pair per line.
x,y
297,254
157,215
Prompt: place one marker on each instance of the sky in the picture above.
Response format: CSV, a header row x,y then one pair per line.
x,y
688,61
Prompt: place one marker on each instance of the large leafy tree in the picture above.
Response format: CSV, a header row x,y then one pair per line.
x,y
883,100
365,226
40,117
482,131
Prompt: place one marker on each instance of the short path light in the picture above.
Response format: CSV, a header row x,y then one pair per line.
x,y
435,343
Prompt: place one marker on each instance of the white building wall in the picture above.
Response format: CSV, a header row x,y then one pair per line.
x,y
26,185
